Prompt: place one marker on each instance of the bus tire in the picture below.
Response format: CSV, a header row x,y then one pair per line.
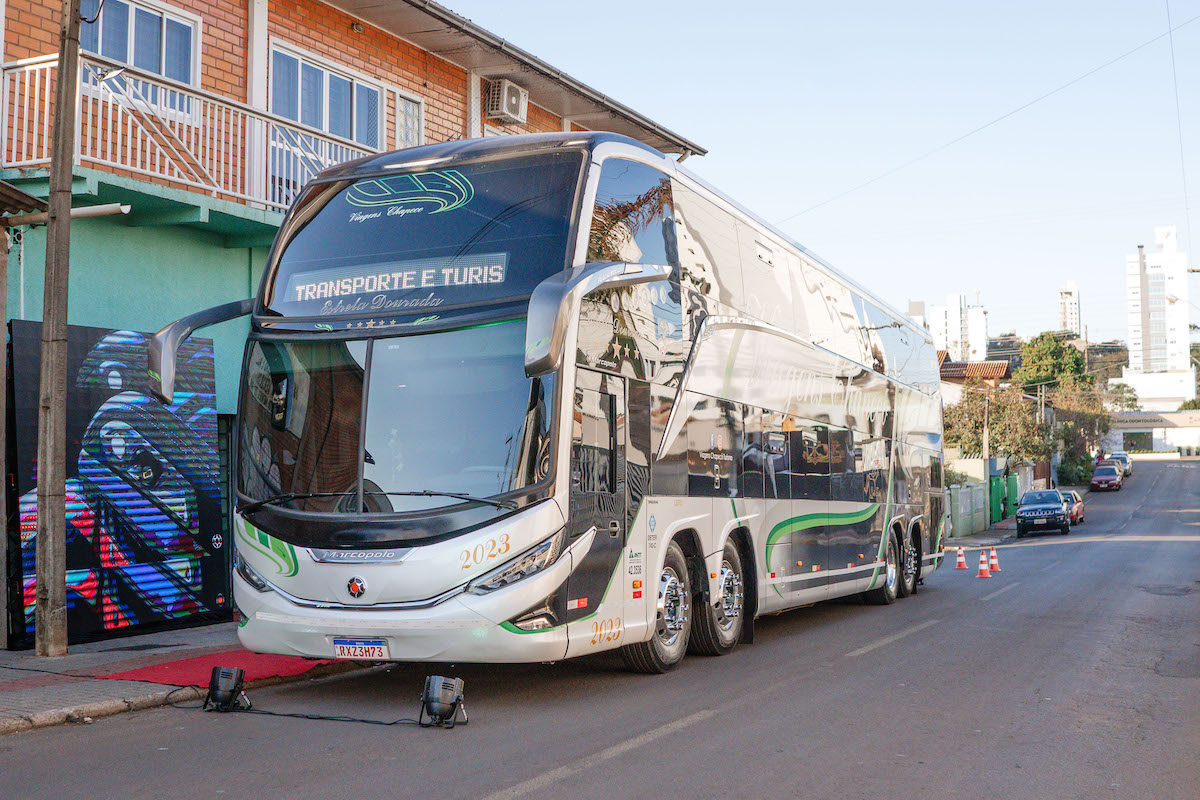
x,y
719,623
910,570
885,594
673,620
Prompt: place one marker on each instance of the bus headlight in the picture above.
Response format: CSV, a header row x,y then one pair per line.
x,y
249,575
531,561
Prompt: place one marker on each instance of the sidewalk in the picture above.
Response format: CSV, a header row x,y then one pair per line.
x,y
1004,529
136,672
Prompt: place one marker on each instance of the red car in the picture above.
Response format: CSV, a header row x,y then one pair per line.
x,y
1106,477
1074,507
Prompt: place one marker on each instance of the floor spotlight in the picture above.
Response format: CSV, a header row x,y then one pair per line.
x,y
225,690
442,700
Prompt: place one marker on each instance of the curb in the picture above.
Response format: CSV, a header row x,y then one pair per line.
x,y
85,714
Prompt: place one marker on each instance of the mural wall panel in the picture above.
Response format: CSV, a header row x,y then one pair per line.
x,y
145,546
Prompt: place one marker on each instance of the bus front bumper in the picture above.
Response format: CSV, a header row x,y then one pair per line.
x,y
464,628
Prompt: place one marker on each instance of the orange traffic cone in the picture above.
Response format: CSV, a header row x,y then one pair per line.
x,y
994,566
984,572
961,562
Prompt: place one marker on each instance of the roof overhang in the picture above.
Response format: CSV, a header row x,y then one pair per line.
x,y
15,201
456,39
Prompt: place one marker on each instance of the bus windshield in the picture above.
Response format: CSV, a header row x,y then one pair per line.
x,y
419,242
449,412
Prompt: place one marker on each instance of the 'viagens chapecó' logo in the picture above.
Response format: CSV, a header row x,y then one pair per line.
x,y
444,190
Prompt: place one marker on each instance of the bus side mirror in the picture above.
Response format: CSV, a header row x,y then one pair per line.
x,y
164,345
555,303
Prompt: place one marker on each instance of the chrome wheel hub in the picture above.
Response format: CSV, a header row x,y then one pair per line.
x,y
730,604
891,565
672,607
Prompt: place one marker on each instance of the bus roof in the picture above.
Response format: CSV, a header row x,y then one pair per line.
x,y
447,153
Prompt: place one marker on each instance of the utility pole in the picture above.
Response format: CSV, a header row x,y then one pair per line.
x,y
1087,365
51,609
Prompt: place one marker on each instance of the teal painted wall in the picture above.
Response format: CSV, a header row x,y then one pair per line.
x,y
143,278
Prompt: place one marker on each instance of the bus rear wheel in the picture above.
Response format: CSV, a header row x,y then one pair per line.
x,y
909,568
672,623
719,624
886,594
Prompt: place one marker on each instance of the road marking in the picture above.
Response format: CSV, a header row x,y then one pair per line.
x,y
1050,566
1116,538
889,639
588,762
999,592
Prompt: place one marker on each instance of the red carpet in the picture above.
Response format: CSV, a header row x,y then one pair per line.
x,y
198,669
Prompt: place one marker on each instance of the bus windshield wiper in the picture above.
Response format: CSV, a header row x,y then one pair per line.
x,y
282,498
470,498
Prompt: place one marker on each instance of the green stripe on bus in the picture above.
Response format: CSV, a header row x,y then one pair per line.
x,y
281,554
815,520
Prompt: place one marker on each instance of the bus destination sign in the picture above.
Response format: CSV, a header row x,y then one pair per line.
x,y
395,287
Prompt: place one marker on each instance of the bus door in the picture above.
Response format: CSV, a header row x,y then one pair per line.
x,y
598,491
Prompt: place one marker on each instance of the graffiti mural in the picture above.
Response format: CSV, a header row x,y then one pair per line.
x,y
144,535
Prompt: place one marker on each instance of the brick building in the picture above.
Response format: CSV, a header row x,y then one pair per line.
x,y
207,118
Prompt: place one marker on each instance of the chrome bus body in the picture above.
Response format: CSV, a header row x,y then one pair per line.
x,y
710,378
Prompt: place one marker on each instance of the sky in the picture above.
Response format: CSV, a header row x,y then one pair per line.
x,y
799,103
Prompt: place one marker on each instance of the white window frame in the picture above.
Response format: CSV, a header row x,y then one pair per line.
x,y
332,68
397,96
194,20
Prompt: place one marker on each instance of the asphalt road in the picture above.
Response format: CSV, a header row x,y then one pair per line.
x,y
1074,673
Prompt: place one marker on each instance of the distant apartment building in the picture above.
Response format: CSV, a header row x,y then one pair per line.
x,y
916,312
959,329
1156,289
1068,309
1005,347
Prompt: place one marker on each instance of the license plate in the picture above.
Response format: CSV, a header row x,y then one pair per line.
x,y
369,649
1039,522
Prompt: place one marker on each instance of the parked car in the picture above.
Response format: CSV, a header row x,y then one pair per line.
x,y
1074,507
1126,461
1106,476
1042,510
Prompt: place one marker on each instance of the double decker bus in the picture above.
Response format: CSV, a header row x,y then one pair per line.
x,y
535,397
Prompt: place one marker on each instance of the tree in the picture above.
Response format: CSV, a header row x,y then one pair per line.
x,y
1121,397
1045,361
1013,429
1083,422
1190,405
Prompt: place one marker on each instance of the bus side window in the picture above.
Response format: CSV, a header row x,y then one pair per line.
x,y
592,452
810,463
754,454
634,216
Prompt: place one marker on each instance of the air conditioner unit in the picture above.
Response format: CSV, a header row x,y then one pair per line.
x,y
506,101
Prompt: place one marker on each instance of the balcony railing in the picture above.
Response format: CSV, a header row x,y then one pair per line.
x,y
134,123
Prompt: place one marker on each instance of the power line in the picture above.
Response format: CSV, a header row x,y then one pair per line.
x,y
987,125
1187,214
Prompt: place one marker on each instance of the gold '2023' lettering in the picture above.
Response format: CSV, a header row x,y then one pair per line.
x,y
606,630
484,552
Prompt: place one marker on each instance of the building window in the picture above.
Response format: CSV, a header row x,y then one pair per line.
x,y
143,36
318,97
409,122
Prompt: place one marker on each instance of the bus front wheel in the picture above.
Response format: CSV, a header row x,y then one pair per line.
x,y
672,623
719,623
